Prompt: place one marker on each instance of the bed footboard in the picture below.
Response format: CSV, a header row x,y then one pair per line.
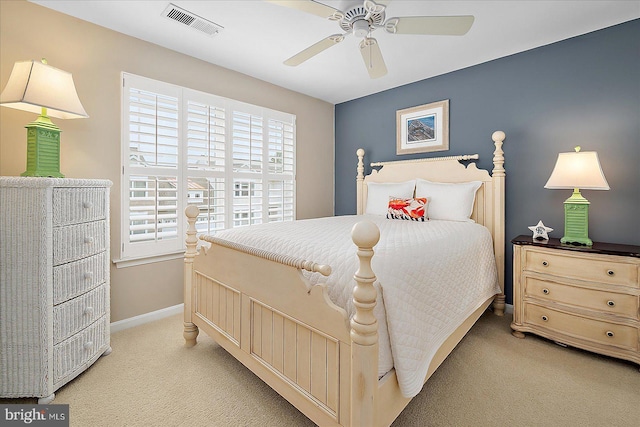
x,y
258,306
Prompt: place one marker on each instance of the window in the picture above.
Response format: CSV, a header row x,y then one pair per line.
x,y
235,161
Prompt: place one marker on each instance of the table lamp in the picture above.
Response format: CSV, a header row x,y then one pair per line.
x,y
577,170
40,88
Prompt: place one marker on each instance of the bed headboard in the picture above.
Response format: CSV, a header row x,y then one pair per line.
x,y
489,206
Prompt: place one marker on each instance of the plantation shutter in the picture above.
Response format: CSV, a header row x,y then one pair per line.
x,y
181,147
151,133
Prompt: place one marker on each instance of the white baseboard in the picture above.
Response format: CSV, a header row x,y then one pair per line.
x,y
146,318
508,308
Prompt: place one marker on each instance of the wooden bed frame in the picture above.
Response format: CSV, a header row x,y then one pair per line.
x,y
257,305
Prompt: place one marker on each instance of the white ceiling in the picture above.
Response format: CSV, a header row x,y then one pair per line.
x,y
258,36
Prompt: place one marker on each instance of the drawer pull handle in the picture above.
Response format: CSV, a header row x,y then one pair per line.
x,y
610,334
88,310
611,272
88,275
88,345
87,205
545,318
611,303
545,263
88,240
545,291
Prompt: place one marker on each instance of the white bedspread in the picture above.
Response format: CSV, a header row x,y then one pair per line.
x,y
433,275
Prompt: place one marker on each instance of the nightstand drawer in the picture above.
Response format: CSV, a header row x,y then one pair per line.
x,y
584,267
75,278
76,205
76,314
78,241
602,301
610,334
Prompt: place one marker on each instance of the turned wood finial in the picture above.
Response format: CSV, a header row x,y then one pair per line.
x,y
192,213
360,169
498,155
364,328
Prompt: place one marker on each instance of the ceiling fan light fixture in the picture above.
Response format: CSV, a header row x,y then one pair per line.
x,y
360,28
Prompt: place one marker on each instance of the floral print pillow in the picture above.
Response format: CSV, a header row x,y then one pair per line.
x,y
411,209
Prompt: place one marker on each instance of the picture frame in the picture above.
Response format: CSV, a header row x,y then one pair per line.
x,y
423,129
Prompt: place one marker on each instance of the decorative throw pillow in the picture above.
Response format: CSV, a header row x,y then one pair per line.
x,y
450,201
378,194
410,209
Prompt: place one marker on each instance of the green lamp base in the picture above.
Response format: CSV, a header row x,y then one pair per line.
x,y
576,220
43,148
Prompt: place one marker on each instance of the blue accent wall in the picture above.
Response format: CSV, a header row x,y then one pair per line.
x,y
581,91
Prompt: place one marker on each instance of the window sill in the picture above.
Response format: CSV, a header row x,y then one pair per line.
x,y
132,262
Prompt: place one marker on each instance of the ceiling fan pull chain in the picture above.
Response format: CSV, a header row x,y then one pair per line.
x,y
370,54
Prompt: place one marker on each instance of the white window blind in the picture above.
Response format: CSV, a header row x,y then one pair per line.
x,y
235,161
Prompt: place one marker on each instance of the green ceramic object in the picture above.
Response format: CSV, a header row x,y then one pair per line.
x,y
576,220
43,148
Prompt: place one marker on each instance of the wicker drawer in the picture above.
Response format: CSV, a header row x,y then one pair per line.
x,y
72,356
610,334
584,267
75,278
76,205
602,301
78,241
76,314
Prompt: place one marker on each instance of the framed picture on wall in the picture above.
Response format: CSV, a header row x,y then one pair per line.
x,y
423,129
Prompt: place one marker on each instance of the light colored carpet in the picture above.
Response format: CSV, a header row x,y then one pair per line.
x,y
491,379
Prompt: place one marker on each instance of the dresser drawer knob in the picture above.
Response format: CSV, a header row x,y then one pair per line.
x,y
88,240
611,272
611,303
545,263
545,291
610,334
545,318
88,275
88,310
88,345
87,205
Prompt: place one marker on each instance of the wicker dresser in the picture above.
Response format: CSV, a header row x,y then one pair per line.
x,y
54,282
587,297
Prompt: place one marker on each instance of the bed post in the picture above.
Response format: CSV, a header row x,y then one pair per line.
x,y
360,181
498,177
364,329
190,330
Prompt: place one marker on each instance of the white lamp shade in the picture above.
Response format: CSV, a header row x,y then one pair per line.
x,y
578,170
33,85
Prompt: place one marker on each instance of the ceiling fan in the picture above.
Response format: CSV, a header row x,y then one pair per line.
x,y
362,19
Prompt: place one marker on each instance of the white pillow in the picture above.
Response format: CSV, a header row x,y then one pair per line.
x,y
450,201
378,194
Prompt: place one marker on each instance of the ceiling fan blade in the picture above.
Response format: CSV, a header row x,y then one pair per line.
x,y
314,49
312,7
372,57
430,25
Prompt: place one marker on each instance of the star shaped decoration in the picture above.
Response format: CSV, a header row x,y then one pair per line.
x,y
540,231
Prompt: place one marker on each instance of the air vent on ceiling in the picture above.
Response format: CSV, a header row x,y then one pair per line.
x,y
191,20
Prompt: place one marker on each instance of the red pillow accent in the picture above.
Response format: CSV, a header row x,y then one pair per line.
x,y
408,209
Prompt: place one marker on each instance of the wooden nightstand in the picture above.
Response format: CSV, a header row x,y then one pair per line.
x,y
586,297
